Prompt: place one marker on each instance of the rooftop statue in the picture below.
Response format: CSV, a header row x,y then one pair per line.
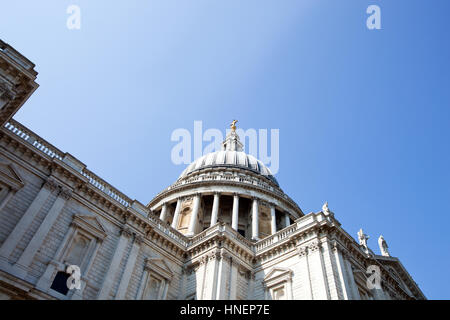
x,y
325,208
383,247
363,240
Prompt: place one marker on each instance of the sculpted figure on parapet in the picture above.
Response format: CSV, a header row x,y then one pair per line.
x,y
383,247
363,240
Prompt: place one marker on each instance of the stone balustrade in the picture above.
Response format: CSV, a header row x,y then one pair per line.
x,y
33,139
228,178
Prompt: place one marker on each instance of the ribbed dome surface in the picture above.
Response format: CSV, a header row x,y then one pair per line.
x,y
227,158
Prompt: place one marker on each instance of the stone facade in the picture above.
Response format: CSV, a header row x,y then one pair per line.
x,y
223,230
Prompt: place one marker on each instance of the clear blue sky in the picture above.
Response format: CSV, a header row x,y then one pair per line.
x,y
363,115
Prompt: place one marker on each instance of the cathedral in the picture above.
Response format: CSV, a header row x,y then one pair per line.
x,y
224,230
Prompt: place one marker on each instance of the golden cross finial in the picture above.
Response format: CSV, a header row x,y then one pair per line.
x,y
233,125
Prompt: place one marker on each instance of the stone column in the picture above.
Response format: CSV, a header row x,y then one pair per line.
x,y
194,216
176,215
305,274
351,280
251,286
115,263
287,221
165,290
215,209
11,193
129,267
273,220
255,219
342,272
163,215
22,226
317,271
212,275
222,274
142,284
39,237
183,282
233,279
235,215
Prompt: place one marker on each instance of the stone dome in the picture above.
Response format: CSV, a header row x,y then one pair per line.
x,y
229,158
230,187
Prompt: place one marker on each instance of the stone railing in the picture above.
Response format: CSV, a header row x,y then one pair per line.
x,y
231,178
227,178
109,190
218,227
33,139
53,152
235,235
17,57
276,237
168,230
298,226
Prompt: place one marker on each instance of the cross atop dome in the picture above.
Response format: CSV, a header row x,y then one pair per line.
x,y
233,125
232,141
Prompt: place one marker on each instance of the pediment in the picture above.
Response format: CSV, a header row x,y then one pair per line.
x,y
90,224
278,273
159,266
10,176
401,275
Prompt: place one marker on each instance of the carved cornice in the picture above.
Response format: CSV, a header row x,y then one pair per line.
x,y
17,76
314,246
215,255
65,193
235,263
51,185
126,232
224,255
138,239
302,251
203,260
5,92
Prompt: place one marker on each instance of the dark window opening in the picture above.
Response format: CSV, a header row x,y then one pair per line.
x,y
241,232
60,282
